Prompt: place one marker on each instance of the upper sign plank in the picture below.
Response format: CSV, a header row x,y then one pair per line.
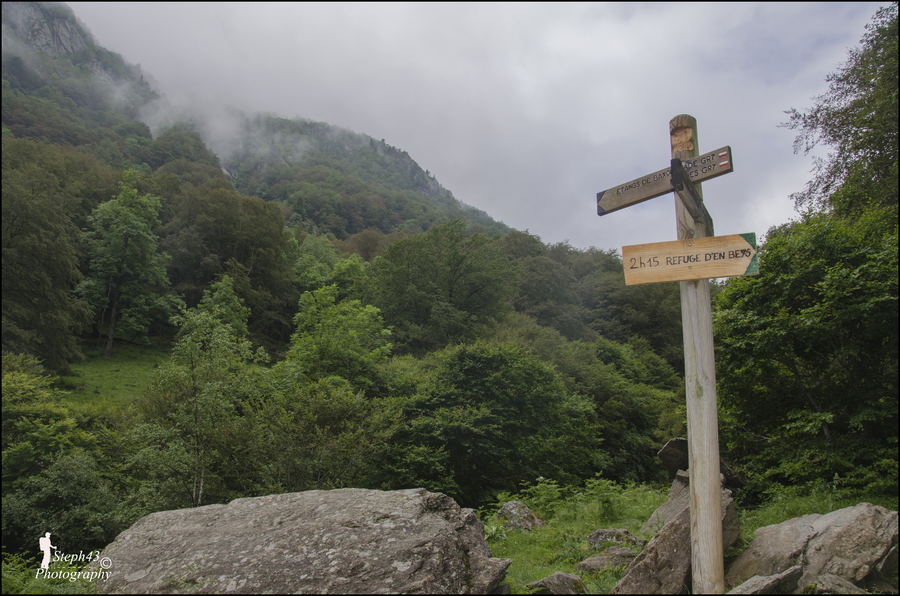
x,y
695,258
706,166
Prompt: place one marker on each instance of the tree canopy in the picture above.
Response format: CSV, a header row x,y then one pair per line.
x,y
441,287
857,118
127,275
806,352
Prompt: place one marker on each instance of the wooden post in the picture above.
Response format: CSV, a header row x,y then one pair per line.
x,y
707,560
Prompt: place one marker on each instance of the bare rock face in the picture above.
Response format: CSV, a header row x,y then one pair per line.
x,y
339,541
664,566
680,499
517,516
856,544
52,30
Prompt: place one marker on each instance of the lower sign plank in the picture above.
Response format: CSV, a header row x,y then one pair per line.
x,y
696,258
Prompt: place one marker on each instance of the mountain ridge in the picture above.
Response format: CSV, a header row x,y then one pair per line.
x,y
48,53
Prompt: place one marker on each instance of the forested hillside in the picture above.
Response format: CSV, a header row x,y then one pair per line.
x,y
333,317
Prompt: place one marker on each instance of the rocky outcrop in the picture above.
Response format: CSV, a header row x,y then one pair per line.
x,y
664,566
680,499
339,541
857,544
52,28
515,515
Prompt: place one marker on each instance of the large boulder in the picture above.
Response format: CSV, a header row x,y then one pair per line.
x,y
680,499
664,566
339,541
857,544
516,515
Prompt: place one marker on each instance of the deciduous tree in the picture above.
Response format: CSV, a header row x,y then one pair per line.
x,y
127,275
806,355
857,118
441,287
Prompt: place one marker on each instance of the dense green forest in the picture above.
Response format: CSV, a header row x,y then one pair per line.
x,y
334,317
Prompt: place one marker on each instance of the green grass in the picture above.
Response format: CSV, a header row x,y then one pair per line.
x,y
572,515
100,384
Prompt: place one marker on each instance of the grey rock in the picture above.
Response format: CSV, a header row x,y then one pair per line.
x,y
664,566
611,557
679,498
854,543
782,583
775,549
828,583
339,541
617,536
674,456
850,542
43,29
559,583
517,516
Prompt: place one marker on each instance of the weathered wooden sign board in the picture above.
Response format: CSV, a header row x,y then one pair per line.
x,y
706,166
694,258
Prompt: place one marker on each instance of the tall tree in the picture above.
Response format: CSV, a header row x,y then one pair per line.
x,y
127,275
490,417
40,255
857,117
344,339
441,287
806,355
195,397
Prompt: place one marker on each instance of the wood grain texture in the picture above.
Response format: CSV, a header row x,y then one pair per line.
x,y
707,558
693,258
703,167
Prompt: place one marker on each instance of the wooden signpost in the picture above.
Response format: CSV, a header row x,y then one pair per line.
x,y
695,257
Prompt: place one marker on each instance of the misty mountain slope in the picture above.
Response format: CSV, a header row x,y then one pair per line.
x,y
61,87
331,179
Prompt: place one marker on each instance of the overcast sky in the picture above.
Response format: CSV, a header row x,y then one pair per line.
x,y
524,111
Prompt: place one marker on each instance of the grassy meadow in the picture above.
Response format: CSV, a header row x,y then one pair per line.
x,y
98,384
